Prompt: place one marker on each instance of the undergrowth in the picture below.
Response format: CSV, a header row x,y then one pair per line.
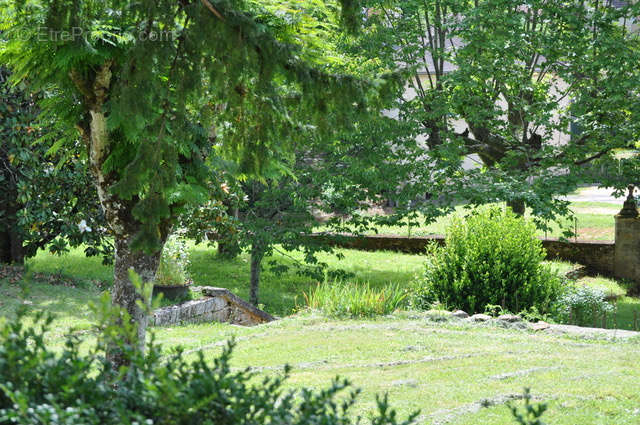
x,y
340,299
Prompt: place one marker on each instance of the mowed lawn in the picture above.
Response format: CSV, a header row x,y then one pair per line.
x,y
455,373
593,221
282,294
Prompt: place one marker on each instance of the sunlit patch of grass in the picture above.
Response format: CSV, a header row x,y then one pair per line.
x,y
283,294
74,263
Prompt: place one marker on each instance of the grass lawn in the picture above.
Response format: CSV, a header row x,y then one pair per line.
x,y
281,295
448,372
594,221
454,373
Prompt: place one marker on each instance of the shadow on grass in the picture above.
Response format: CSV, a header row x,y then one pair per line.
x,y
68,304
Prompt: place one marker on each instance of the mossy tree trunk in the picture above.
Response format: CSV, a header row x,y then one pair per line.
x,y
118,214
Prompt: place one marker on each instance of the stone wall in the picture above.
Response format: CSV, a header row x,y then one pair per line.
x,y
408,245
217,305
627,258
596,256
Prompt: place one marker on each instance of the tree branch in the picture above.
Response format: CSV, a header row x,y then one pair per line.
x,y
593,157
213,10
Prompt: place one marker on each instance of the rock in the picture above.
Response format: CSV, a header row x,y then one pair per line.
x,y
438,315
217,305
460,314
540,326
509,318
480,317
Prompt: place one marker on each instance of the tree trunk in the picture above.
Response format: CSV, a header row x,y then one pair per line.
x,y
5,247
11,242
257,253
517,206
124,293
118,212
17,249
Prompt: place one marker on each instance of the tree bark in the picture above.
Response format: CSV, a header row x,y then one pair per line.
x,y
124,293
5,246
257,253
517,206
17,248
118,213
11,240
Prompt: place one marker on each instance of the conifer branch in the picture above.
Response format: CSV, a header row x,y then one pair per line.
x,y
213,10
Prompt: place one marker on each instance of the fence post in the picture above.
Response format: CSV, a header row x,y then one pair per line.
x,y
627,246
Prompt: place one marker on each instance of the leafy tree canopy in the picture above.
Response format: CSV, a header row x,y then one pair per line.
x,y
536,90
164,73
46,199
150,85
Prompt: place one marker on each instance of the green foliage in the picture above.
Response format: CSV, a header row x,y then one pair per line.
x,y
532,413
505,81
47,198
174,263
335,181
347,299
39,385
490,258
169,79
581,305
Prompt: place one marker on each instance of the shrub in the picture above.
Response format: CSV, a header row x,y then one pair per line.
x,y
530,414
581,305
174,263
340,299
490,258
43,386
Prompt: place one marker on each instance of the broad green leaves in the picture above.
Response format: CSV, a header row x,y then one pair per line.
x,y
506,81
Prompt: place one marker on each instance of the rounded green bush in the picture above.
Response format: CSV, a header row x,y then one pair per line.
x,y
490,258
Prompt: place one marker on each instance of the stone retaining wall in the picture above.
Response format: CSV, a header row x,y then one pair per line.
x,y
217,305
596,256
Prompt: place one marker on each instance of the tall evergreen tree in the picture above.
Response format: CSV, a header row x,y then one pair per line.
x,y
147,84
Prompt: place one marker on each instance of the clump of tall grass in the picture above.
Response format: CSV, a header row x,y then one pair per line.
x,y
343,299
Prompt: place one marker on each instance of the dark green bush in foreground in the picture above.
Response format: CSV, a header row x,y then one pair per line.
x,y
40,386
490,258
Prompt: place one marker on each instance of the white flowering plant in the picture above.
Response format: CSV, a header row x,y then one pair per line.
x,y
581,305
173,269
